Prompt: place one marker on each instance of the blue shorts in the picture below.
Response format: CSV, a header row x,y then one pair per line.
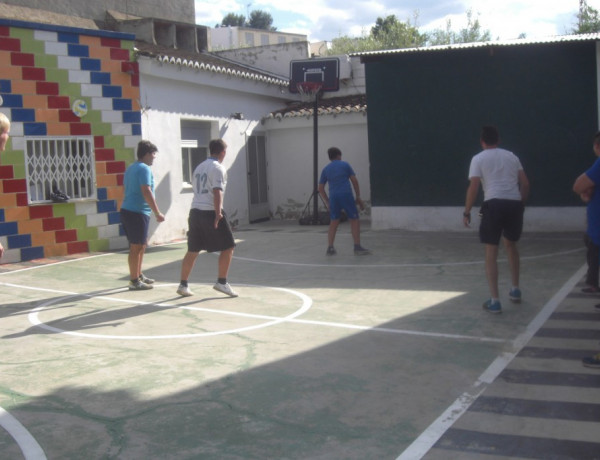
x,y
135,225
501,218
345,202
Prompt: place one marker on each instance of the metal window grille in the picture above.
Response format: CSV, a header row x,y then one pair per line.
x,y
64,164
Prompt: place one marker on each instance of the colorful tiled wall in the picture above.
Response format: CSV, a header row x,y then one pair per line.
x,y
43,71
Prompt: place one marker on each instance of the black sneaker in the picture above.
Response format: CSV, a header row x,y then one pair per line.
x,y
137,285
360,251
331,251
592,361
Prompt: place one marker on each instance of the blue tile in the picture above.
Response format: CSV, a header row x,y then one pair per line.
x,y
36,252
35,129
78,50
23,115
122,104
5,86
111,91
100,78
8,228
12,100
106,206
2,218
114,218
132,117
90,64
66,37
136,130
19,241
101,193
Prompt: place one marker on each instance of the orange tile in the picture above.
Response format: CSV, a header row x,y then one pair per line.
x,y
120,79
10,73
114,193
46,115
100,168
107,180
100,52
34,101
111,66
53,250
58,129
131,92
32,227
25,87
89,40
8,200
20,213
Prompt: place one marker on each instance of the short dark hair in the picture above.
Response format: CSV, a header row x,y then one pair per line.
x,y
216,146
333,153
489,135
145,147
597,138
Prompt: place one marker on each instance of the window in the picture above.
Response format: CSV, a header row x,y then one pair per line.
x,y
280,39
249,38
264,39
191,156
195,136
65,164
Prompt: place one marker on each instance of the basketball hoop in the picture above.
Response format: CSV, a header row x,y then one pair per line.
x,y
309,90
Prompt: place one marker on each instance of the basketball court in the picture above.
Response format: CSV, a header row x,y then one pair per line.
x,y
384,356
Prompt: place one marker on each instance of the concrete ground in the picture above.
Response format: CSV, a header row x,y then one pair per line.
x,y
375,357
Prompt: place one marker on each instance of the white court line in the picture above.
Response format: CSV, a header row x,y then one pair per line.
x,y
29,447
436,430
273,319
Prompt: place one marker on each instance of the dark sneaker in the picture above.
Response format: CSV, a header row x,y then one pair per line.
x,y
592,361
331,251
515,295
591,290
184,291
492,307
225,289
360,251
137,285
143,279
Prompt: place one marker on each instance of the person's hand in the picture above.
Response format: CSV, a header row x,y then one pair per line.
x,y
218,217
160,217
1,250
360,204
467,219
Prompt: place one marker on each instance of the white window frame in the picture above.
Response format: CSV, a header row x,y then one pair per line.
x,y
66,163
186,159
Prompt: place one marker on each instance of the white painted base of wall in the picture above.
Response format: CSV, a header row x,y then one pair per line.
x,y
537,219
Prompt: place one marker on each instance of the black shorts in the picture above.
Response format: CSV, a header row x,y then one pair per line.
x,y
501,218
135,225
203,235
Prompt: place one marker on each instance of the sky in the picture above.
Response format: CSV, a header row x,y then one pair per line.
x,y
324,20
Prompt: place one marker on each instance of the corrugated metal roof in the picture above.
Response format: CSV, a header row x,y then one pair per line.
x,y
330,106
206,62
502,43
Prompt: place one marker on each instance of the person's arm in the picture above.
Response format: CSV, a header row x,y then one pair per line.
x,y
149,197
218,204
359,201
583,186
523,185
472,191
323,194
1,250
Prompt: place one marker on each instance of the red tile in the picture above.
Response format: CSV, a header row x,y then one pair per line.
x,y
40,212
135,80
120,179
46,88
4,31
22,59
118,54
75,248
33,73
98,142
114,167
6,172
58,102
15,186
67,116
130,67
110,42
105,154
10,44
22,199
53,223
64,236
80,129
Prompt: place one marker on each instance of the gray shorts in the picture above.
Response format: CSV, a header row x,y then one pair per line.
x,y
202,234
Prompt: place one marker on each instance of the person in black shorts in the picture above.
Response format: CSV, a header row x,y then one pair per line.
x,y
209,229
505,189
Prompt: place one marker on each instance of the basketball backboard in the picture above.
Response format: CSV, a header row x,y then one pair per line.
x,y
325,71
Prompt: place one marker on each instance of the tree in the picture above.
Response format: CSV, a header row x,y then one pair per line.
x,y
233,20
261,20
588,19
469,34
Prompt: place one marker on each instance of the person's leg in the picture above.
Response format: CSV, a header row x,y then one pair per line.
x,y
188,264
355,229
514,261
333,226
136,255
491,268
593,260
224,262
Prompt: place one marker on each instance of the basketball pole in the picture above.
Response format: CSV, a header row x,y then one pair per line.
x,y
316,159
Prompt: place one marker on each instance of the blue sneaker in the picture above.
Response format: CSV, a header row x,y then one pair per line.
x,y
492,307
515,295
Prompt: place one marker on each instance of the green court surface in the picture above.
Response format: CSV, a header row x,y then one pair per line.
x,y
339,357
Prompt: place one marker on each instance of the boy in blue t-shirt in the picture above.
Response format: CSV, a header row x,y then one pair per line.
x,y
339,174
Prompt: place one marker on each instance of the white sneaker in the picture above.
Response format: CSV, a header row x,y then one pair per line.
x,y
184,291
225,289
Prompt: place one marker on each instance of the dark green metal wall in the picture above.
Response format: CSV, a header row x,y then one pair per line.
x,y
426,109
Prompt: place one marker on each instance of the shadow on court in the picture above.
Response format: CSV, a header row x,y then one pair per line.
x,y
319,358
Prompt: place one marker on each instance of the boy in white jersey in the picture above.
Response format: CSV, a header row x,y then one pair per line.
x,y
505,189
208,226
